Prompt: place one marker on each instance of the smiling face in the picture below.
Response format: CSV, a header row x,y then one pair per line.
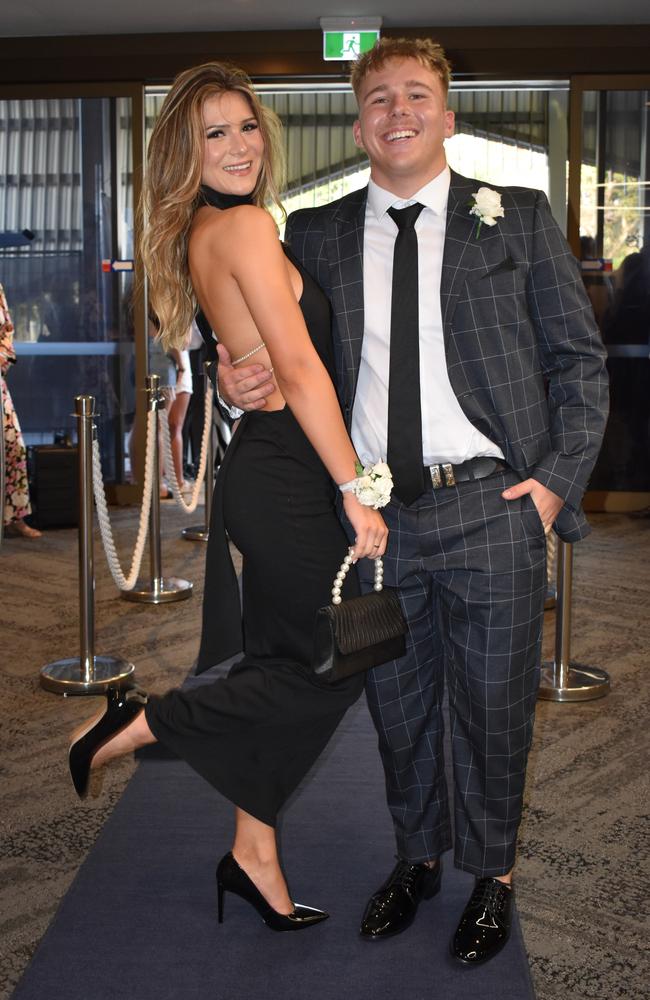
x,y
403,122
233,150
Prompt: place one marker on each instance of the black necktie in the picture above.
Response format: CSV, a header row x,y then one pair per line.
x,y
404,413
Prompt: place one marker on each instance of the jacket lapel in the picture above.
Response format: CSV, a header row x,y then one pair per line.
x,y
460,244
344,241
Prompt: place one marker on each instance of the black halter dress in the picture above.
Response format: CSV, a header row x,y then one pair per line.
x,y
255,733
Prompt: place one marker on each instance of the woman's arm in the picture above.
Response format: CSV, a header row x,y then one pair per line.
x,y
175,356
258,265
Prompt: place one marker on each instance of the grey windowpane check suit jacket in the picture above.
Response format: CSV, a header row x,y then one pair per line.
x,y
524,354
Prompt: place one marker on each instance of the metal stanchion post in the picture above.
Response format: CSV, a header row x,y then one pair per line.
x,y
86,674
563,679
200,532
157,590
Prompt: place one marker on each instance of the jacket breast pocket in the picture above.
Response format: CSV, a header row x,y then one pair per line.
x,y
503,268
495,297
505,265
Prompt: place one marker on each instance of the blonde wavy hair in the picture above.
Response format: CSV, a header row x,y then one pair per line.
x,y
427,52
171,188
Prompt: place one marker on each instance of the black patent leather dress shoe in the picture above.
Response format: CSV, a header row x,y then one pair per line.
x,y
484,926
393,907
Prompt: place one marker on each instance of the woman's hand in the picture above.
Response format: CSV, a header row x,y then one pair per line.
x,y
371,533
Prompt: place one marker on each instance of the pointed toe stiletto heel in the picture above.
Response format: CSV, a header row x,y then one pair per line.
x,y
122,706
232,878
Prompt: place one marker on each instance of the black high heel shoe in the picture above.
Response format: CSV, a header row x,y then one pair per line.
x,y
232,878
122,706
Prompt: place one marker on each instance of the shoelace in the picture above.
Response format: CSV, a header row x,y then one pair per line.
x,y
405,875
490,894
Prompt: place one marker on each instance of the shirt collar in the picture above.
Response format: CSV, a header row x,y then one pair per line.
x,y
433,195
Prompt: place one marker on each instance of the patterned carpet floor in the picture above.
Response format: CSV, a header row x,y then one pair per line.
x,y
584,858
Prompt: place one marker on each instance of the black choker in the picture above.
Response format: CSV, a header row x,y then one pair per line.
x,y
220,200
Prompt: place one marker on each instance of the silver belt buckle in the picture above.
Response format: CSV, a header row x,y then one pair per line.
x,y
450,479
437,472
436,476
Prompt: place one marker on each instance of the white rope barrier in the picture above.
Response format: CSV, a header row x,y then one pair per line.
x,y
551,558
125,582
206,442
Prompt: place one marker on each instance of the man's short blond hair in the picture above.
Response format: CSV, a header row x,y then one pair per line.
x,y
427,52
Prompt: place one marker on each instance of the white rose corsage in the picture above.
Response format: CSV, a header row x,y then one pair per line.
x,y
486,206
373,485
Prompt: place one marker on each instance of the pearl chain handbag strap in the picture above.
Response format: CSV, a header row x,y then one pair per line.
x,y
343,572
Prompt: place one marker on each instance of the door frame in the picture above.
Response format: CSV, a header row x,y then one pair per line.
x,y
578,85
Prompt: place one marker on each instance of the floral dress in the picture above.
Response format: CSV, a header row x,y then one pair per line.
x,y
16,498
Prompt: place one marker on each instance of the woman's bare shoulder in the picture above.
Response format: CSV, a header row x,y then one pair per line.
x,y
236,240
226,230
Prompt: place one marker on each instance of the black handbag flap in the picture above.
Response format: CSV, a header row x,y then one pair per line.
x,y
366,620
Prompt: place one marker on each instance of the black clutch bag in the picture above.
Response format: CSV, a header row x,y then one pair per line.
x,y
355,635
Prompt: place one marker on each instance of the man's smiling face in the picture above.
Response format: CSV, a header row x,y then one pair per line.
x,y
403,122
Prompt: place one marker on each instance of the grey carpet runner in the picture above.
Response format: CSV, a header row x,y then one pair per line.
x,y
139,922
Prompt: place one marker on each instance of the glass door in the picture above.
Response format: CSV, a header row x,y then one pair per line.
x,y
609,212
506,133
67,176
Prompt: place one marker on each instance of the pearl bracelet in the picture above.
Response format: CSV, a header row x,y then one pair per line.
x,y
343,572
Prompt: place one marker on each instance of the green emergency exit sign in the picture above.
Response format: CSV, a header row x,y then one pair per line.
x,y
347,44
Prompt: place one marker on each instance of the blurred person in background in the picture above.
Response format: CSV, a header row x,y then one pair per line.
x,y
16,492
176,405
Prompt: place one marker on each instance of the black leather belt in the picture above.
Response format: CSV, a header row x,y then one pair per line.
x,y
446,474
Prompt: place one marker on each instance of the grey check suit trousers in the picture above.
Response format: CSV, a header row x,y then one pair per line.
x,y
471,573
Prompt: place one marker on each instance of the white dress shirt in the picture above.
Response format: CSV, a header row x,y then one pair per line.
x,y
447,434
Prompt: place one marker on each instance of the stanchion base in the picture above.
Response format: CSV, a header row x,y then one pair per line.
x,y
197,533
585,683
162,591
551,599
66,676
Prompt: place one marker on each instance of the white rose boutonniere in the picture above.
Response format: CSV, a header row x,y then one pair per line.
x,y
486,206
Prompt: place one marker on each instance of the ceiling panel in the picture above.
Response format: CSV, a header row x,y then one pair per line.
x,y
83,17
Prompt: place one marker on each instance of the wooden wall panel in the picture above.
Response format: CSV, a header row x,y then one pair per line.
x,y
502,53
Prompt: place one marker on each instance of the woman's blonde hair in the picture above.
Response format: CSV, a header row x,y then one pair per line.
x,y
171,188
